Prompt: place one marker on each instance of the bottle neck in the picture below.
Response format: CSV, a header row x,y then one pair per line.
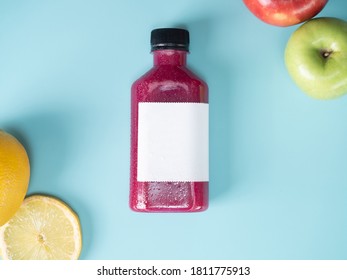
x,y
170,57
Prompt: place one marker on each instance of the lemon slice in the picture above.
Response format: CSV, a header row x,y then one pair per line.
x,y
44,228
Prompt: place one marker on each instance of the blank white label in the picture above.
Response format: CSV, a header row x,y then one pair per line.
x,y
172,142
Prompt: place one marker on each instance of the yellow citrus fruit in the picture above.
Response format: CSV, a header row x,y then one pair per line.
x,y
14,175
44,228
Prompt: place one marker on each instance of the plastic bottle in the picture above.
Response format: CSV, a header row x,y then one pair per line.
x,y
169,131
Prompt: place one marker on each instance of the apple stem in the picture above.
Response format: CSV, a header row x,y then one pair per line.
x,y
325,53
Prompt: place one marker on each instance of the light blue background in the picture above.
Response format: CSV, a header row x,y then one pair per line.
x,y
277,157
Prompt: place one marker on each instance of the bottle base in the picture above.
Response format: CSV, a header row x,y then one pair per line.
x,y
169,197
169,210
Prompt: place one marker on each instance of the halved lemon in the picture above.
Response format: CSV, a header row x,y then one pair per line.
x,y
44,228
14,175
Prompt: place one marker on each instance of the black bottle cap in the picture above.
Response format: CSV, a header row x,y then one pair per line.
x,y
170,38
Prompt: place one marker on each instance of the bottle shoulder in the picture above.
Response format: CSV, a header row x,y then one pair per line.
x,y
169,84
168,73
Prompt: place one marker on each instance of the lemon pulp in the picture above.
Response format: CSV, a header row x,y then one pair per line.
x,y
44,228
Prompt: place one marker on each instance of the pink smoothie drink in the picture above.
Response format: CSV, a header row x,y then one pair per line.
x,y
169,131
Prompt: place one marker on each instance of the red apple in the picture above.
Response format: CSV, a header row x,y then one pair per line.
x,y
285,12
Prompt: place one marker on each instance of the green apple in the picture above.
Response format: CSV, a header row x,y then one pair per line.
x,y
316,57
